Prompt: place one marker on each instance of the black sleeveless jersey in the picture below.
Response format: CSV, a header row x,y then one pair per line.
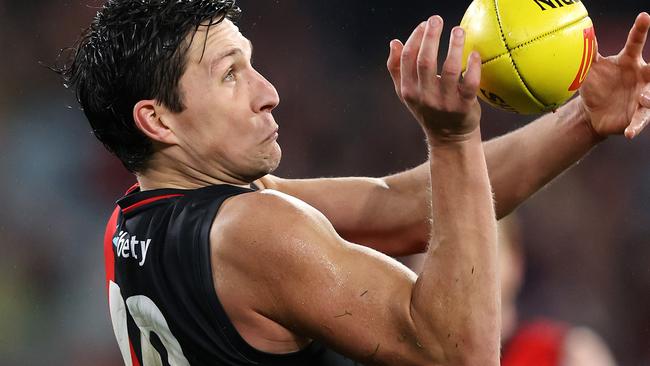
x,y
163,304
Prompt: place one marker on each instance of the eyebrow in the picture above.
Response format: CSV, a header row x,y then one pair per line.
x,y
227,53
232,52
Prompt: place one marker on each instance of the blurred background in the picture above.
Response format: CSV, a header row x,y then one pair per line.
x,y
586,235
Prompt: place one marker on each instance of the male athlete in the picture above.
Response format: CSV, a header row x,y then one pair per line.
x,y
204,270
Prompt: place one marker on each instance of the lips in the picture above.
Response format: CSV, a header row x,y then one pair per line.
x,y
273,135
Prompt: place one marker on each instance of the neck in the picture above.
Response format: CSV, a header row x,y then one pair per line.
x,y
158,176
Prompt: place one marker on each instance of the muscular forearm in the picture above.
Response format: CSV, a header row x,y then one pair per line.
x,y
521,162
462,259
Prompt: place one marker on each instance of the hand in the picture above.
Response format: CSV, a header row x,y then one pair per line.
x,y
616,93
444,105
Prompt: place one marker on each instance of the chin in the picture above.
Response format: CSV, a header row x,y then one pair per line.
x,y
273,160
268,164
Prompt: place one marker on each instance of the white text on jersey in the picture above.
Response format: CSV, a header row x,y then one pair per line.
x,y
129,246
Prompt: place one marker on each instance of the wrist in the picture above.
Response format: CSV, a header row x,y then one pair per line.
x,y
583,116
441,140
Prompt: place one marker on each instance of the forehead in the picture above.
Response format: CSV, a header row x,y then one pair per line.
x,y
210,41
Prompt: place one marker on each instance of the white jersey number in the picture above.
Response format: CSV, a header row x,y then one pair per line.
x,y
149,319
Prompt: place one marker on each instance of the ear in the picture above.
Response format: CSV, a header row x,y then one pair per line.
x,y
147,115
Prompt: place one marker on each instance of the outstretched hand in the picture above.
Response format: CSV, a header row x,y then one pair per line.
x,y
616,93
445,105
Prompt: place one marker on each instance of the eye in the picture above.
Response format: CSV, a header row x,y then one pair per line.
x,y
230,75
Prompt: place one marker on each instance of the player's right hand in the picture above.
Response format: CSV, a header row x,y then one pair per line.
x,y
445,105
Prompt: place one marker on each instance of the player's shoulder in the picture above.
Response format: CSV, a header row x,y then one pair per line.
x,y
263,234
267,206
266,216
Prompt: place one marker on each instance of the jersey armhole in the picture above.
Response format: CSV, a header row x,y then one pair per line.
x,y
226,327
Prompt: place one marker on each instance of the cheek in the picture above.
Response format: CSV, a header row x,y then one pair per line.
x,y
239,139
244,132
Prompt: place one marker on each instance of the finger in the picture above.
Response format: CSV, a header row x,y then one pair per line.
x,y
394,65
640,120
637,37
468,88
409,74
427,64
454,63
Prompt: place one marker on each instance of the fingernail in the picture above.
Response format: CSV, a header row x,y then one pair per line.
x,y
459,32
434,20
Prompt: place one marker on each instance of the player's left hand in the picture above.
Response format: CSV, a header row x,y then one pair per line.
x,y
616,94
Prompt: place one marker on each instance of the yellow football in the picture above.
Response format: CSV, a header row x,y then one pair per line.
x,y
535,54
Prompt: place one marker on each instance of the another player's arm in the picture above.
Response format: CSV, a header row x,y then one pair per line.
x,y
390,213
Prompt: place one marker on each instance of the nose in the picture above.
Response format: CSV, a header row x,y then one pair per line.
x,y
265,98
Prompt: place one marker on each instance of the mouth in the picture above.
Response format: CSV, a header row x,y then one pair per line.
x,y
273,136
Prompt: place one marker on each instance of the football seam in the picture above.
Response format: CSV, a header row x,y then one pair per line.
x,y
495,58
538,38
533,40
505,43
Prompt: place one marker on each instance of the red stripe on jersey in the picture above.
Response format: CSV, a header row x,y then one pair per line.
x,y
148,201
134,357
133,188
109,255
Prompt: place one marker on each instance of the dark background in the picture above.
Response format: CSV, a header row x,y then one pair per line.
x,y
586,234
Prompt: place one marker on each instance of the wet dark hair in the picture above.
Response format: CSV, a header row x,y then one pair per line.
x,y
135,50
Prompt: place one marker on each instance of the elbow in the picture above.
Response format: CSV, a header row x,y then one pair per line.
x,y
449,347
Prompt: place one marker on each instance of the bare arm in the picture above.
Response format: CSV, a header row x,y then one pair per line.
x,y
523,161
391,213
304,277
387,214
360,302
